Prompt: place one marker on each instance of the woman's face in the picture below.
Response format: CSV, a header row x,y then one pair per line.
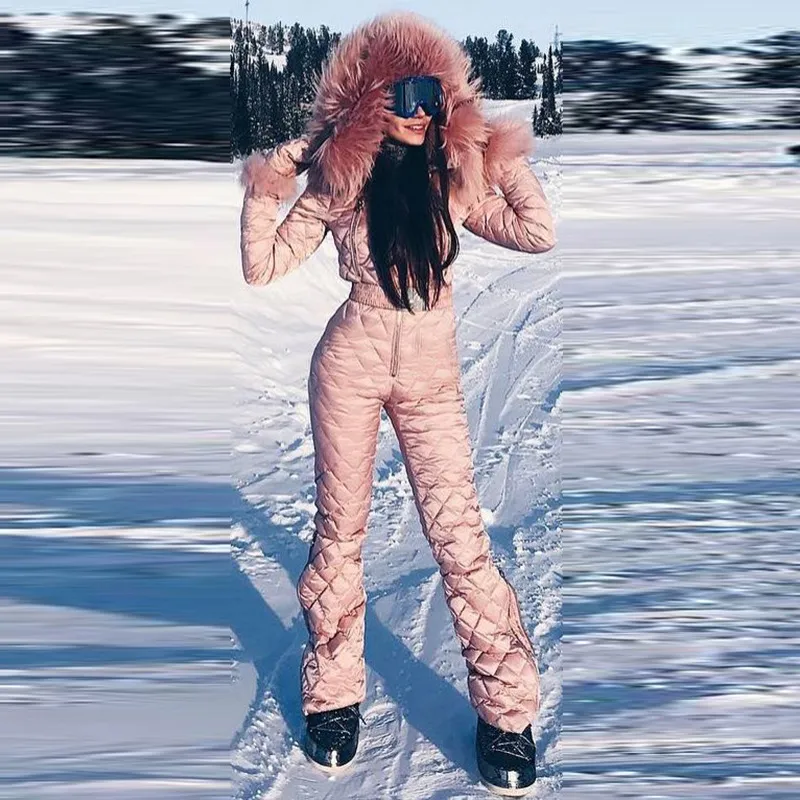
x,y
409,130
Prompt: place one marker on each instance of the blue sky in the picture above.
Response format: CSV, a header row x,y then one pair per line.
x,y
676,22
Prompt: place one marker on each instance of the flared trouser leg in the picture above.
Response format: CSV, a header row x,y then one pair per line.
x,y
345,415
430,419
371,358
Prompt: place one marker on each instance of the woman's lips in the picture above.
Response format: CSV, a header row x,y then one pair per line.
x,y
416,128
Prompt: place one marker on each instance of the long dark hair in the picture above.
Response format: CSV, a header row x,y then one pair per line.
x,y
408,217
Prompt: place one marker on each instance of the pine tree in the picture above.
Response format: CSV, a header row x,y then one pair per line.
x,y
528,52
559,70
478,50
241,128
508,67
547,118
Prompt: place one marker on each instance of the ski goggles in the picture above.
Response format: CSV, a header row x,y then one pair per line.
x,y
418,90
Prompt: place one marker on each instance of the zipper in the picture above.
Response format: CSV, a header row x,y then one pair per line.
x,y
353,232
396,342
399,318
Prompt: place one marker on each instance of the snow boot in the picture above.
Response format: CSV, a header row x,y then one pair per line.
x,y
331,737
506,760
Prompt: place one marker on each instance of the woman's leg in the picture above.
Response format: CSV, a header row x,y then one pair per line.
x,y
427,410
345,414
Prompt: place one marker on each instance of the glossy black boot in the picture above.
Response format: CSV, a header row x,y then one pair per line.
x,y
506,761
331,737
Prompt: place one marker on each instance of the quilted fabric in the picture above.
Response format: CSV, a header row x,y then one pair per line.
x,y
353,375
373,356
517,218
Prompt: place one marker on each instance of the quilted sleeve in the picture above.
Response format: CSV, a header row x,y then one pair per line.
x,y
520,217
271,249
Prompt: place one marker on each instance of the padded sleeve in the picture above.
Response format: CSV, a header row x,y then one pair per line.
x,y
520,217
271,249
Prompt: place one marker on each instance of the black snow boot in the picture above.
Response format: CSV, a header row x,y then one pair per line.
x,y
331,737
506,760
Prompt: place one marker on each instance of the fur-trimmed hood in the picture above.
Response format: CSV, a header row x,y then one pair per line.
x,y
494,193
349,114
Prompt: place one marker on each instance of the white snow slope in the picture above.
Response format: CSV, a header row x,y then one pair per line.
x,y
680,286
128,344
116,587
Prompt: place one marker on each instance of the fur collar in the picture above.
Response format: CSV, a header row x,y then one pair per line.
x,y
349,113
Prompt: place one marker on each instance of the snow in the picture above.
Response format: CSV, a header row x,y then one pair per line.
x,y
277,59
679,264
115,498
645,367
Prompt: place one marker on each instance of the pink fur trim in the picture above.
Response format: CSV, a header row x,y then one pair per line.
x,y
509,138
261,178
349,115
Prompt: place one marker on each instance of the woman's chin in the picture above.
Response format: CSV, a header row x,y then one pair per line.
x,y
408,137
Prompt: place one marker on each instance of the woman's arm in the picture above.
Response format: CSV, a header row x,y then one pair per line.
x,y
520,217
271,250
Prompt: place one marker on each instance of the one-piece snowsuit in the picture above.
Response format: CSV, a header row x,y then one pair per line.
x,y
373,356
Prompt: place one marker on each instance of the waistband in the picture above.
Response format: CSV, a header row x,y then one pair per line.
x,y
372,294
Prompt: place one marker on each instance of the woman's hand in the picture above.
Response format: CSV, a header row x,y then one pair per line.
x,y
275,172
289,153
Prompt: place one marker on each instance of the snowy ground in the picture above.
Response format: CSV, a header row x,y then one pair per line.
x,y
652,382
115,497
681,452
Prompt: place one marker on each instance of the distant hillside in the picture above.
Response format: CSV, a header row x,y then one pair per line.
x,y
164,86
610,85
116,86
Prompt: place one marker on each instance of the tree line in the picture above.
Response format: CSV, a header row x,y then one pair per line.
x,y
115,86
163,86
625,86
273,69
271,74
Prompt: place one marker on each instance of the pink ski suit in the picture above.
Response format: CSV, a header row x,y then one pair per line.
x,y
373,356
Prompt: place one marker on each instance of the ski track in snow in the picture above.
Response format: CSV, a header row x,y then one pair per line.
x,y
418,742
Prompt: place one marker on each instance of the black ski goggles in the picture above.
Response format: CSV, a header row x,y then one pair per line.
x,y
419,90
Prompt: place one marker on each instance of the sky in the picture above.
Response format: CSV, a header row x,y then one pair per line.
x,y
673,24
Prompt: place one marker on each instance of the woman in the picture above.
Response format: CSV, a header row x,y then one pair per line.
x,y
398,154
